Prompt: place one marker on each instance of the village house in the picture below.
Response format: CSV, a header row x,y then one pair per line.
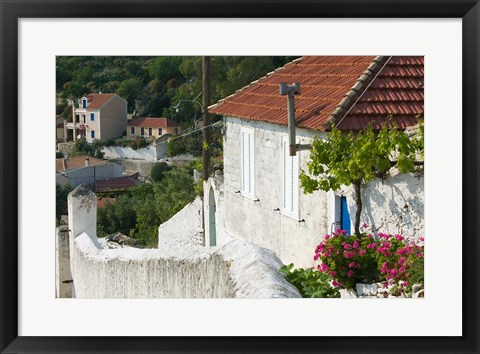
x,y
75,170
151,128
262,200
99,116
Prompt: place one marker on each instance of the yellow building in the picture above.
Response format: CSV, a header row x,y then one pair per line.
x,y
151,128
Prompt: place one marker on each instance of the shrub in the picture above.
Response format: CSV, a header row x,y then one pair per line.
x,y
159,170
310,282
110,142
365,259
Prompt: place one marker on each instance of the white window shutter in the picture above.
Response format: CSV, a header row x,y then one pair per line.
x,y
244,167
251,168
248,168
295,185
290,181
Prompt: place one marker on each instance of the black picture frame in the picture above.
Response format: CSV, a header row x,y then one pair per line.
x,y
11,11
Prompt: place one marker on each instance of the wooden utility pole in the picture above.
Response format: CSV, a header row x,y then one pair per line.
x,y
207,130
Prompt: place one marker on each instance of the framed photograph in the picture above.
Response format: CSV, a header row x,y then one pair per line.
x,y
233,177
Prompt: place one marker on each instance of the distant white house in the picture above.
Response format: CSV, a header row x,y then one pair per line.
x,y
77,170
99,116
262,201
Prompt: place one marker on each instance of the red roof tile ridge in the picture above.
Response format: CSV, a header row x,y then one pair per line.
x,y
360,85
220,102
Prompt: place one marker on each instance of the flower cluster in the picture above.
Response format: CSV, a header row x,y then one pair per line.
x,y
368,258
406,266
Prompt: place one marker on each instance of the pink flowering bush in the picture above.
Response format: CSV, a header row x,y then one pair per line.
x,y
367,258
402,264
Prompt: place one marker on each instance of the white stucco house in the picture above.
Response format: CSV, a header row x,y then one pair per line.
x,y
76,170
261,198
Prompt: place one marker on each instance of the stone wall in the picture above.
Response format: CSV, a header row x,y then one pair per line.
x,y
66,148
117,152
263,222
143,167
184,229
394,205
238,269
63,276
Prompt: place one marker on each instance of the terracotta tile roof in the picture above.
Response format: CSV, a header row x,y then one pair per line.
x,y
325,80
97,100
75,162
116,184
152,122
394,97
102,201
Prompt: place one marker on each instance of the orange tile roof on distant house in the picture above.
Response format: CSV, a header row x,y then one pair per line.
x,y
97,100
75,162
396,91
152,122
103,201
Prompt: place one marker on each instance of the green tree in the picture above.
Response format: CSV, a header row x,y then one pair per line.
x,y
61,205
165,68
139,212
358,158
159,170
130,89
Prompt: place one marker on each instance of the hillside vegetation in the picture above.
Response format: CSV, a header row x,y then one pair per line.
x,y
153,85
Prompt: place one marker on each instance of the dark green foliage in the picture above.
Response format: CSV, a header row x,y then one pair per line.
x,y
158,171
130,89
309,282
175,147
152,85
61,206
139,213
58,154
83,148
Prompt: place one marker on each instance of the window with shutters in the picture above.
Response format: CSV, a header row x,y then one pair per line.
x,y
291,184
247,163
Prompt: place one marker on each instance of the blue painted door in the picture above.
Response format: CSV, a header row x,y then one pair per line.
x,y
344,216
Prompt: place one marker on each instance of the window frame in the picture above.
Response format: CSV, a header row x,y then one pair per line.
x,y
132,130
92,117
92,134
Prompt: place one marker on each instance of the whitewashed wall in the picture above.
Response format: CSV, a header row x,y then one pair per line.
x,y
238,269
184,229
148,153
63,276
215,185
394,205
258,222
87,174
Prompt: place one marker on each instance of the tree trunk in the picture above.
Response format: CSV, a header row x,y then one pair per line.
x,y
358,201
